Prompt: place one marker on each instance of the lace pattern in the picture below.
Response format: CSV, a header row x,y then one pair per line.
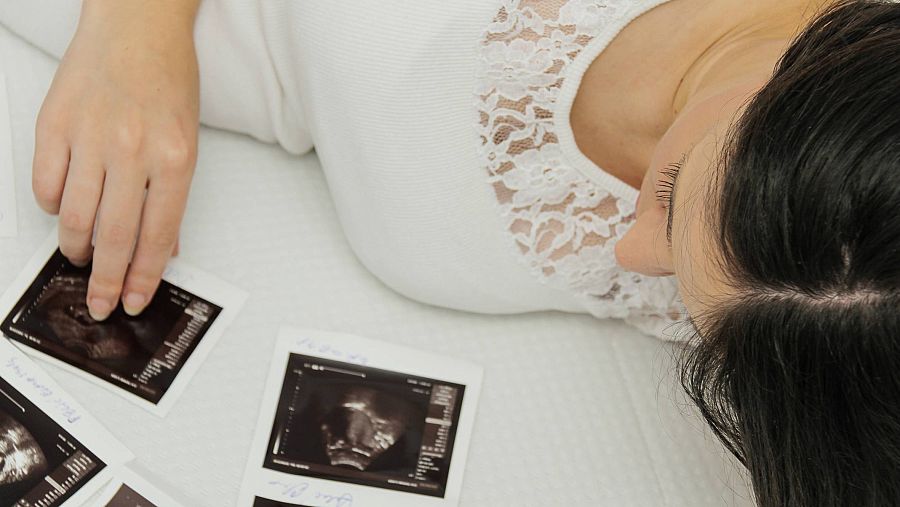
x,y
564,225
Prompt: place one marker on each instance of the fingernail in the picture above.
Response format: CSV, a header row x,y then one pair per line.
x,y
134,303
99,308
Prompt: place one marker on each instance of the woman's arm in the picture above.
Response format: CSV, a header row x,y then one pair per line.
x,y
121,116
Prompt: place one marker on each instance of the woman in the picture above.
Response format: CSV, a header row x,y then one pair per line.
x,y
765,162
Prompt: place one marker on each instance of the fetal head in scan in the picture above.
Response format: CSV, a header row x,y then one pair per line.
x,y
20,456
62,306
364,425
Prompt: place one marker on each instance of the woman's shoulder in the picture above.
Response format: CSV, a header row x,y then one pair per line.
x,y
563,215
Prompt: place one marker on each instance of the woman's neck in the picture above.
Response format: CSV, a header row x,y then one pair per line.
x,y
665,60
749,52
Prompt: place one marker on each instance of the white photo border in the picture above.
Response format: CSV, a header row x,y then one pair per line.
x,y
293,489
179,273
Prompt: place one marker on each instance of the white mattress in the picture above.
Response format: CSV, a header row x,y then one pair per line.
x,y
574,411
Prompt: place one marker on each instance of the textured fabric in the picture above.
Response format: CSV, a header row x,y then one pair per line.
x,y
476,205
563,223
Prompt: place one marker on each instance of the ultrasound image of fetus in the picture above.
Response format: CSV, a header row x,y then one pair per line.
x,y
363,426
21,458
119,339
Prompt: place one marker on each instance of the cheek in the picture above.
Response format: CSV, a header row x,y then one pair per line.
x,y
700,278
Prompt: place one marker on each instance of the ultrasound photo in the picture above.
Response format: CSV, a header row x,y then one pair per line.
x,y
363,425
41,465
265,502
127,497
141,355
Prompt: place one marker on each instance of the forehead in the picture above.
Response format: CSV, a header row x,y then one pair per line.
x,y
694,249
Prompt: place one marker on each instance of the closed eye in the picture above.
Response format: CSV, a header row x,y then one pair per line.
x,y
665,192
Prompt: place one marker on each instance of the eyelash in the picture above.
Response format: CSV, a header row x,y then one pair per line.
x,y
667,183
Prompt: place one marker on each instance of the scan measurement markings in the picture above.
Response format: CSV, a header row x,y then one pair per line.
x,y
336,370
437,429
172,357
276,447
28,309
59,489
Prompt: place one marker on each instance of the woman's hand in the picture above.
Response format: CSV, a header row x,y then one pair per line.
x,y
116,144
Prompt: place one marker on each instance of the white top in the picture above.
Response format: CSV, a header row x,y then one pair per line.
x,y
443,129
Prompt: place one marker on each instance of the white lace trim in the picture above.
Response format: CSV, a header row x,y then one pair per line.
x,y
563,223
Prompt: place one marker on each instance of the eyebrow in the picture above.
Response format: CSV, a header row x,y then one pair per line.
x,y
671,214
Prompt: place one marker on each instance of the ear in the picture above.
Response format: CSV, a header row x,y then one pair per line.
x,y
644,249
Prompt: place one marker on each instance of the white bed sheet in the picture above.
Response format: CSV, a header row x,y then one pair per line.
x,y
574,411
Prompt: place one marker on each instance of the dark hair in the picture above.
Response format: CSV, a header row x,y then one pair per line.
x,y
798,371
